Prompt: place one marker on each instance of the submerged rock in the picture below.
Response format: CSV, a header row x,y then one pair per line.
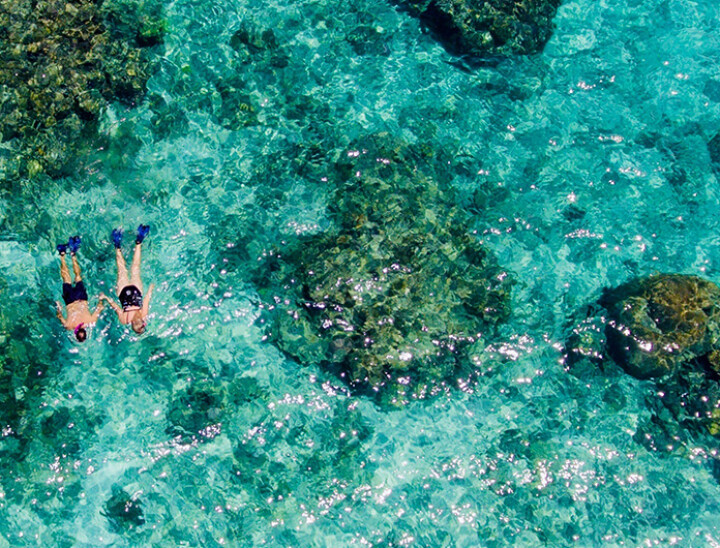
x,y
392,293
123,511
488,27
655,324
713,147
195,413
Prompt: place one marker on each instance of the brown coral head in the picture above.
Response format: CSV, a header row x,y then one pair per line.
x,y
657,323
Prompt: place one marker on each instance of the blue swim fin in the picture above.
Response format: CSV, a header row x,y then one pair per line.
x,y
117,237
74,244
142,233
61,248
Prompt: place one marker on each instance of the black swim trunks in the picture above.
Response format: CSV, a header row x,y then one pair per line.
x,y
130,297
74,293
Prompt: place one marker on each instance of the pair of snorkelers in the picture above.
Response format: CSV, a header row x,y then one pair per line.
x,y
133,308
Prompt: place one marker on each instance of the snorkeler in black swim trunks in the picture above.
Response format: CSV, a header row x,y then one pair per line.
x,y
130,297
133,309
75,296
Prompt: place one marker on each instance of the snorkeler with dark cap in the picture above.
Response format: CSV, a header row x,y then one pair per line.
x,y
75,296
133,308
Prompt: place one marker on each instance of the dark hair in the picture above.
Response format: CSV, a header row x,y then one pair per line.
x,y
81,334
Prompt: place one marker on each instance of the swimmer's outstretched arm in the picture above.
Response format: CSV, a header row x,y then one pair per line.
x,y
98,309
59,314
146,303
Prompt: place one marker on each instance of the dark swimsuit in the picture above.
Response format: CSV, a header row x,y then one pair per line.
x,y
130,297
74,293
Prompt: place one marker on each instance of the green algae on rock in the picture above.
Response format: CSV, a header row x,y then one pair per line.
x,y
392,293
488,27
61,61
659,322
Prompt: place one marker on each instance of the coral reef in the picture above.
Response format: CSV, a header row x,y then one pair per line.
x,y
391,294
660,322
168,119
236,110
327,459
23,371
366,39
254,45
664,327
693,397
488,27
61,62
258,50
34,431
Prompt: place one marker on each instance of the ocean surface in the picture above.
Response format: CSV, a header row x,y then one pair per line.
x,y
592,162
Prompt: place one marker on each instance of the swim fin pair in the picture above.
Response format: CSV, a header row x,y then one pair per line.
x,y
73,245
117,235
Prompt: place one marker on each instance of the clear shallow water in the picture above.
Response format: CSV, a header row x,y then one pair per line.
x,y
592,164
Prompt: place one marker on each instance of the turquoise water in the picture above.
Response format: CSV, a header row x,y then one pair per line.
x,y
591,164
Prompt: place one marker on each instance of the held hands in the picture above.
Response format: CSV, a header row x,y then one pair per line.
x,y
112,303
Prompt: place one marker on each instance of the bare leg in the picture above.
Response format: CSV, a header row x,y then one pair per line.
x,y
64,272
76,268
135,267
122,277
